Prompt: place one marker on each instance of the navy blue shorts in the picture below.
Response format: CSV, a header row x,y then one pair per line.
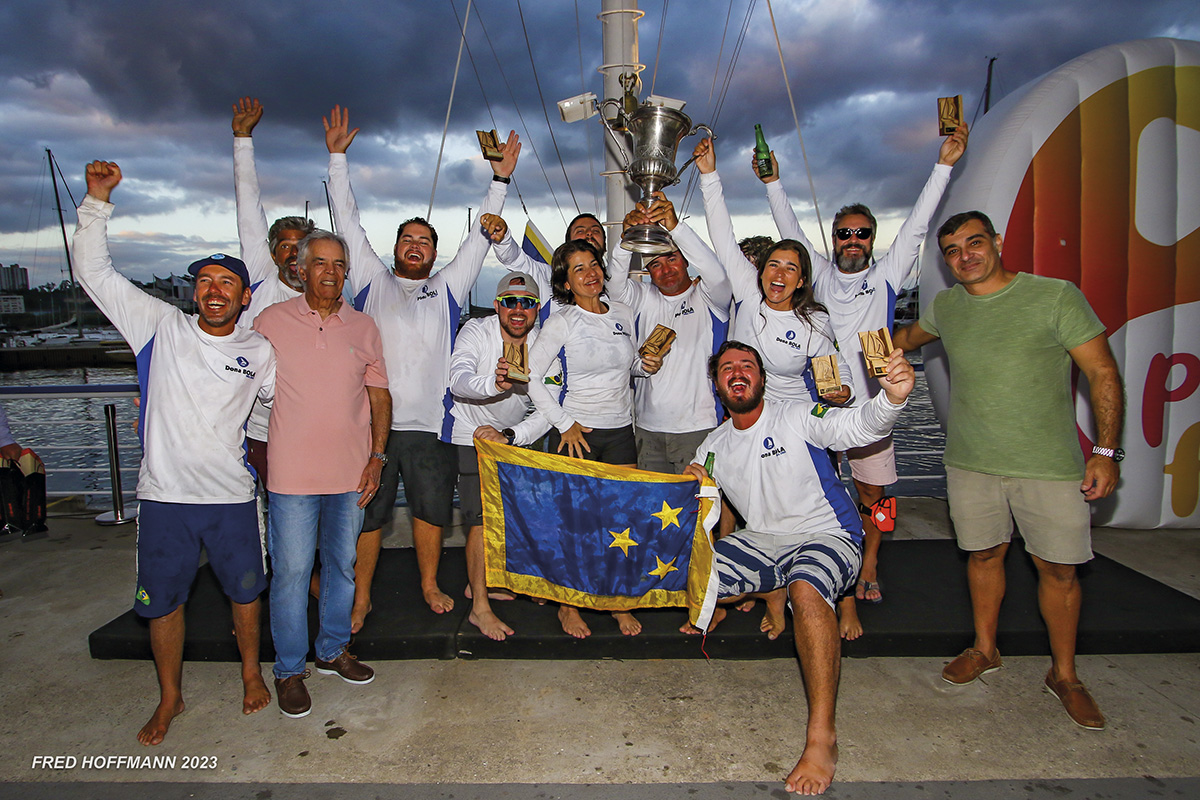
x,y
169,539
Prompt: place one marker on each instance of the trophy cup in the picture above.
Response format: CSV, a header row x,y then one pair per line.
x,y
656,132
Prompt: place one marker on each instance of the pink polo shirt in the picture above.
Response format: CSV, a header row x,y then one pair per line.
x,y
320,430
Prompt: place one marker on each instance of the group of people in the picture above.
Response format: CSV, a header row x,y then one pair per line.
x,y
340,403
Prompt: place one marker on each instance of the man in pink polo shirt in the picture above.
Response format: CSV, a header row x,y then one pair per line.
x,y
328,429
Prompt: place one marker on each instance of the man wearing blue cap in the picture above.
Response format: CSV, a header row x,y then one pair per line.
x,y
199,377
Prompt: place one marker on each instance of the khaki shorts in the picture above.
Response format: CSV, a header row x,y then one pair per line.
x,y
874,464
1052,515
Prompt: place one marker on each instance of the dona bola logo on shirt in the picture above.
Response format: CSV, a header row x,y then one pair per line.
x,y
684,310
426,294
620,330
241,368
789,339
865,289
769,449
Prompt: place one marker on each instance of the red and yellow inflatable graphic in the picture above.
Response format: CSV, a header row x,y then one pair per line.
x,y
1092,174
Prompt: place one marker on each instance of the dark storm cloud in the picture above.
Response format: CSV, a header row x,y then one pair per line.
x,y
150,84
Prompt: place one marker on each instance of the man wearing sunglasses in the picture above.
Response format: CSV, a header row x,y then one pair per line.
x,y
490,405
585,226
860,294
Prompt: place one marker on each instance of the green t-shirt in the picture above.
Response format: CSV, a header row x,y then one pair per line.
x,y
1011,411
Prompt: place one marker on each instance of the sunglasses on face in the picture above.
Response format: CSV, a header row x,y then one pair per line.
x,y
843,234
516,301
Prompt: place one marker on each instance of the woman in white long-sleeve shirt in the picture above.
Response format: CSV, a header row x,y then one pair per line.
x,y
590,339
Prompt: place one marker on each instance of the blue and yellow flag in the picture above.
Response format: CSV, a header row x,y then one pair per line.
x,y
535,245
597,536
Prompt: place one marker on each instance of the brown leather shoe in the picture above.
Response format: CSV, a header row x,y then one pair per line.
x,y
1078,702
347,666
293,697
968,666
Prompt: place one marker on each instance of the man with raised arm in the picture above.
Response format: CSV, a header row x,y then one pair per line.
x,y
802,532
198,376
269,254
490,405
1012,448
860,294
417,313
675,408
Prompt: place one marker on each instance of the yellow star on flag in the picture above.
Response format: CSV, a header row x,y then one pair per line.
x,y
662,569
622,541
668,516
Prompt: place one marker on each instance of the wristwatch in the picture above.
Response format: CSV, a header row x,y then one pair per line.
x,y
1116,455
509,434
383,459
501,178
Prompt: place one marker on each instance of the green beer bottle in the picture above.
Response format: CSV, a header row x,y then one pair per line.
x,y
762,154
708,463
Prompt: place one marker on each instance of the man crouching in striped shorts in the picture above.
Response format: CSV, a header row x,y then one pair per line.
x,y
803,531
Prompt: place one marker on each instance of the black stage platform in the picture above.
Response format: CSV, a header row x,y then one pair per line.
x,y
926,612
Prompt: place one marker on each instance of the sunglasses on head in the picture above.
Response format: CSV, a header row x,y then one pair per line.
x,y
858,233
516,301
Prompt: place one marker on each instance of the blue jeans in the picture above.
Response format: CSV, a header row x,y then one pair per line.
x,y
297,523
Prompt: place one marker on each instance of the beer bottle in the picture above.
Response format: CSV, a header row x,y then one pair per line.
x,y
708,463
762,154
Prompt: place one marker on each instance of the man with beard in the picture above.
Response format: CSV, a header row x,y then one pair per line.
x,y
801,531
860,295
675,408
270,256
490,405
417,313
198,376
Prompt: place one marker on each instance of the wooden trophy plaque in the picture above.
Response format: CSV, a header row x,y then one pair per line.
x,y
517,357
876,347
658,340
490,145
950,114
825,373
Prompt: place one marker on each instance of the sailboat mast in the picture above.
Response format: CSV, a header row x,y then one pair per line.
x,y
618,20
66,247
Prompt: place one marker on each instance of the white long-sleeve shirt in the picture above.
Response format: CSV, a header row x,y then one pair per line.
x,y
777,474
418,319
864,301
197,389
785,341
477,401
265,286
679,398
596,356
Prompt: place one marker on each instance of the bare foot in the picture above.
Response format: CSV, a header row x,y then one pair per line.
x,y
257,696
814,770
627,622
690,629
358,615
746,605
774,620
848,624
572,623
489,625
438,600
493,594
154,731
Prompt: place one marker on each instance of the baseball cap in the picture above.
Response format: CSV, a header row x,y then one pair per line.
x,y
234,265
517,282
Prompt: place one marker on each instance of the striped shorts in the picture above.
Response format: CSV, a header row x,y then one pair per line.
x,y
748,561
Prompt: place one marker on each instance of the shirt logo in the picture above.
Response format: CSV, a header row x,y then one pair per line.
x,y
242,362
770,448
790,335
426,294
618,326
819,409
684,310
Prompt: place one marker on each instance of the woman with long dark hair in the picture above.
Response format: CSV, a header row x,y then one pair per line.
x,y
589,342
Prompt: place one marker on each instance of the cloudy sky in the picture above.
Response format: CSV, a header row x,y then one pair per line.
x,y
150,85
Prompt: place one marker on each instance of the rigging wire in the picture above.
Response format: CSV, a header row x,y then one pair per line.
x,y
796,117
525,126
587,128
541,97
662,27
449,105
720,52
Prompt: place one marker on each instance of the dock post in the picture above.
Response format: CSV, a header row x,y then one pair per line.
x,y
118,515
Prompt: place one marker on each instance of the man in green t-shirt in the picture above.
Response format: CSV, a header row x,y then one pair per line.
x,y
1011,446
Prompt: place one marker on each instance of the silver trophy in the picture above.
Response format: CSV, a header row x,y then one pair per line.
x,y
656,132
